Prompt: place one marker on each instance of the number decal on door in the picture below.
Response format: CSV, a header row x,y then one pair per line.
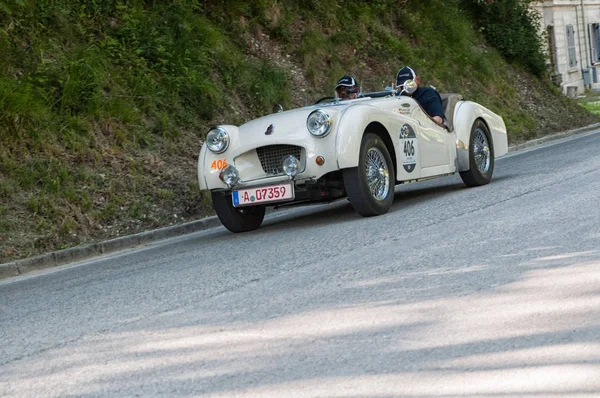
x,y
410,148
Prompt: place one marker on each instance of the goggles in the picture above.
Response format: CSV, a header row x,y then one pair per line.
x,y
347,90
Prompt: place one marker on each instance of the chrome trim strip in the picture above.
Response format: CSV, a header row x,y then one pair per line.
x,y
271,181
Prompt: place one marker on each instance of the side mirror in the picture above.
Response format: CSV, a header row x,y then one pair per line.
x,y
410,86
277,108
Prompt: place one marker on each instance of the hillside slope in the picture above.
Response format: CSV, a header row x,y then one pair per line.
x,y
103,105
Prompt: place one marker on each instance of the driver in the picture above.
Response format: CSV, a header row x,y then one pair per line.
x,y
347,88
427,97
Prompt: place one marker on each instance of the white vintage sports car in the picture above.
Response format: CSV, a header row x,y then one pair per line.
x,y
359,149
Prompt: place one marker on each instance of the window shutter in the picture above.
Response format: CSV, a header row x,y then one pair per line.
x,y
571,46
592,31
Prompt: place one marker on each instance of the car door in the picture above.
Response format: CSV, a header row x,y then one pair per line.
x,y
434,154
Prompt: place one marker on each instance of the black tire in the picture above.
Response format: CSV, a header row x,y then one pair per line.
x,y
481,156
364,201
237,219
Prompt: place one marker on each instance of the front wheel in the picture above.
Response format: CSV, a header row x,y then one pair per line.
x,y
370,186
481,156
237,219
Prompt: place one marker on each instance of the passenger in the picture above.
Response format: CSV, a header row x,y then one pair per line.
x,y
427,97
347,88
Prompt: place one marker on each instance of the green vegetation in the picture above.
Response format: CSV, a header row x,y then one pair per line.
x,y
593,107
512,28
590,100
103,104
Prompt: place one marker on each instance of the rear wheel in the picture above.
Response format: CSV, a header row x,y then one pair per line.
x,y
237,219
370,186
481,156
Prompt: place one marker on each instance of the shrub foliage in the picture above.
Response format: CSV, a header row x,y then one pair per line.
x,y
512,27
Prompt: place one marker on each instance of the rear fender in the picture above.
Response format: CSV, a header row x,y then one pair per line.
x,y
465,114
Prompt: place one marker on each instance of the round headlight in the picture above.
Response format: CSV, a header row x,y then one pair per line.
x,y
229,175
217,140
318,123
291,166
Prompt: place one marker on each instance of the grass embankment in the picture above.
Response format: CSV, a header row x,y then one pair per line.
x,y
103,105
591,101
592,107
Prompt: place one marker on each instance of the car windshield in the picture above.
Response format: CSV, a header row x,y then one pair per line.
x,y
373,94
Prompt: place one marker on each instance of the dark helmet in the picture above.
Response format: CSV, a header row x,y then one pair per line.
x,y
405,73
349,84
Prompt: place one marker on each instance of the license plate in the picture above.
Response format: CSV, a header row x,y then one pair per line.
x,y
272,193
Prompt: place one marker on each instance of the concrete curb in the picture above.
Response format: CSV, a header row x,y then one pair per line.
x,y
84,252
553,137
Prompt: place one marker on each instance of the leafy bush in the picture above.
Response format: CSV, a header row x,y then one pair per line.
x,y
513,28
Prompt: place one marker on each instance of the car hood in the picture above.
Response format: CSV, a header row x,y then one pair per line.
x,y
285,126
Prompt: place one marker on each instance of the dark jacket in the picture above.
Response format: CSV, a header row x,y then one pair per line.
x,y
430,100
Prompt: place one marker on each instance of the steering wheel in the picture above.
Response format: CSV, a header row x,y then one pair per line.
x,y
324,99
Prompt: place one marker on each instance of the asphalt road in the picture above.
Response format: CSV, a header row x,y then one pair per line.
x,y
482,292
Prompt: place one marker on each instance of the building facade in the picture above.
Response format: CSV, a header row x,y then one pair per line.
x,y
572,31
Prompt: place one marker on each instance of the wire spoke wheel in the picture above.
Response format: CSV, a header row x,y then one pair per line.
x,y
481,151
377,172
481,156
370,185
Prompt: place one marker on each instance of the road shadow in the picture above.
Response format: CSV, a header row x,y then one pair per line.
x,y
451,313
421,332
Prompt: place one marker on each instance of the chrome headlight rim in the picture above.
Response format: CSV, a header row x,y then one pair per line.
x,y
221,136
410,87
291,166
319,123
229,175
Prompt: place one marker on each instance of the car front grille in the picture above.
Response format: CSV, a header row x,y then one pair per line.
x,y
271,157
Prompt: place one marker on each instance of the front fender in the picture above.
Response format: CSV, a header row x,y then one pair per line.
x,y
351,128
208,176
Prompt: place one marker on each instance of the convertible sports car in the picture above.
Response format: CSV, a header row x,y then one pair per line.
x,y
359,149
